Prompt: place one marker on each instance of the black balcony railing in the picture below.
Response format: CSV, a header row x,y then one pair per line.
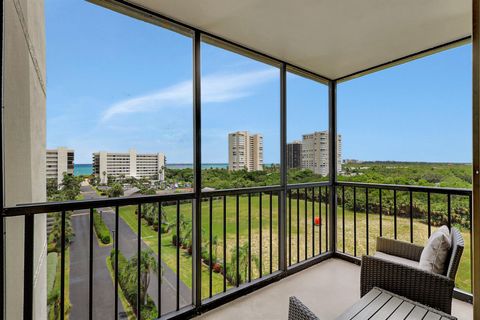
x,y
241,230
410,213
250,211
308,211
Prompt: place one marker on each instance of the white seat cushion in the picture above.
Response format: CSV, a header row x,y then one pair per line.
x,y
400,260
436,250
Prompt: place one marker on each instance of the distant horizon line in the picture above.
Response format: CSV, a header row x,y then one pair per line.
x,y
359,162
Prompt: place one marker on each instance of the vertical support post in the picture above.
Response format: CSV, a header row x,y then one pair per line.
x,y
139,259
2,174
197,176
332,159
2,261
282,226
476,159
2,180
62,267
116,247
90,267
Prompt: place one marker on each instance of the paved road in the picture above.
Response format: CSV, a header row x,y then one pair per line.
x,y
103,288
128,246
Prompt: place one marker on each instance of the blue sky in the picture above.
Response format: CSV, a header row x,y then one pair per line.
x,y
115,83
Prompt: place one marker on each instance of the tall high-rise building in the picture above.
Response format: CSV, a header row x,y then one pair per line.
x,y
245,151
294,155
59,161
129,164
315,152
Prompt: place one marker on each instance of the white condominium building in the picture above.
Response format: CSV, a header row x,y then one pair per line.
x,y
315,152
129,164
245,151
59,161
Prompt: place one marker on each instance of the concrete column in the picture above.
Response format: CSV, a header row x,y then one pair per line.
x,y
24,146
476,160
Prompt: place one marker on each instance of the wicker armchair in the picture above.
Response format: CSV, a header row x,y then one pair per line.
x,y
431,289
298,311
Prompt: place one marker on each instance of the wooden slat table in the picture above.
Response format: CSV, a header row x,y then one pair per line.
x,y
380,304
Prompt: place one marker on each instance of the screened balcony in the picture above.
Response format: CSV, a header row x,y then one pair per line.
x,y
231,252
327,289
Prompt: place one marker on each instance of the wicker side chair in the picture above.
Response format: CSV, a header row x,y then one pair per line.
x,y
431,289
298,311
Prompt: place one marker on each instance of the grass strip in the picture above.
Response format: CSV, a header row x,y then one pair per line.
x,y
126,306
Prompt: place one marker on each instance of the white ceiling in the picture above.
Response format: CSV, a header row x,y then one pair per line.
x,y
333,38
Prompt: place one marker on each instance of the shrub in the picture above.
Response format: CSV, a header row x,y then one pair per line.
x,y
165,227
102,231
205,256
231,274
122,262
129,288
52,247
51,271
150,310
175,241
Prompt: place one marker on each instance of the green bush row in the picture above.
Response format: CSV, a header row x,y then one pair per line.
x,y
103,233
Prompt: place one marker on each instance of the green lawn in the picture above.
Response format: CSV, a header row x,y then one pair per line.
x,y
169,257
305,243
420,229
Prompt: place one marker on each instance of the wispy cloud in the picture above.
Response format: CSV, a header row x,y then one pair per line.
x,y
215,88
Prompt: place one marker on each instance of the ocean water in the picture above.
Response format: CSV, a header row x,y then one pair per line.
x,y
82,169
204,166
87,169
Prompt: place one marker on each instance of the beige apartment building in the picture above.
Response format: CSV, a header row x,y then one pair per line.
x,y
129,164
59,161
245,151
315,152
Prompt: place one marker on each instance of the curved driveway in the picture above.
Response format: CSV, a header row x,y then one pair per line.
x,y
103,286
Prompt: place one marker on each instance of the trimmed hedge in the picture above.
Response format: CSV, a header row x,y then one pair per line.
x,y
102,231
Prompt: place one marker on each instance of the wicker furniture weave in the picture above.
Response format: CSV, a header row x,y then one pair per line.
x,y
431,289
298,311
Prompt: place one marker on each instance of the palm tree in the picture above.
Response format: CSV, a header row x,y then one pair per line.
x,y
115,191
56,232
148,264
149,212
242,263
185,231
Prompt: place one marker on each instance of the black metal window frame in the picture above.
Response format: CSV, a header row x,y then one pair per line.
x,y
198,306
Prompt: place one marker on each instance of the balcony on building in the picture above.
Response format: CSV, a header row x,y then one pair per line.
x,y
307,243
